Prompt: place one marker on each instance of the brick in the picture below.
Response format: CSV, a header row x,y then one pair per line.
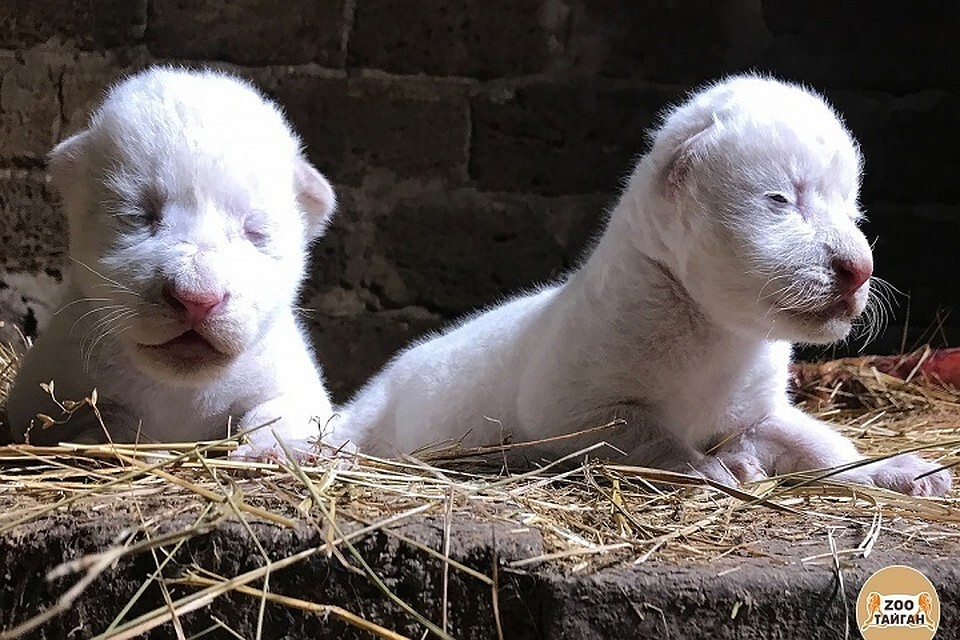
x,y
93,24
676,42
475,38
454,253
409,135
352,348
892,46
352,128
347,270
899,138
29,107
248,32
558,139
33,232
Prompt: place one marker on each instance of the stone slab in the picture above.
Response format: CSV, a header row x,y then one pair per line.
x,y
742,598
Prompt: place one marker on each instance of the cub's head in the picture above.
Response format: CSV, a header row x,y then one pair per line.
x,y
758,182
191,208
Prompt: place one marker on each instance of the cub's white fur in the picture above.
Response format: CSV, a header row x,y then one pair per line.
x,y
191,208
736,235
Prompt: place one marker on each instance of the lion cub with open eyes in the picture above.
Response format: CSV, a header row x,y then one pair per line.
x,y
191,208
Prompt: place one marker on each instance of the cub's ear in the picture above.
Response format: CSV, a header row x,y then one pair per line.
x,y
315,196
66,157
684,156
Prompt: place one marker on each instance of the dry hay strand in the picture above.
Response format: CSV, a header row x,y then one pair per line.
x,y
591,513
883,413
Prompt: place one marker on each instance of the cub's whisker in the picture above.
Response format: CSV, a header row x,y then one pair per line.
x,y
120,285
78,301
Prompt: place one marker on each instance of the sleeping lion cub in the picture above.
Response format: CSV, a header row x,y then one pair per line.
x,y
191,208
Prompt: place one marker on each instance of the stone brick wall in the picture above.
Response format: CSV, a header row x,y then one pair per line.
x,y
476,143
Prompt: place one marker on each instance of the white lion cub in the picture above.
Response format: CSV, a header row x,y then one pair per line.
x,y
191,208
736,235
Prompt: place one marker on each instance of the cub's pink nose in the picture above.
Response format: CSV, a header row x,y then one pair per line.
x,y
195,306
851,274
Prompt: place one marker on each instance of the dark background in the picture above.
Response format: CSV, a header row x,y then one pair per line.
x,y
474,144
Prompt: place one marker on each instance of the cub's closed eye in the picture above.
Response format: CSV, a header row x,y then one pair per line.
x,y
144,212
151,206
255,234
256,228
776,196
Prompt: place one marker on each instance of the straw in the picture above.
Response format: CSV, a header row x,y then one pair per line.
x,y
590,513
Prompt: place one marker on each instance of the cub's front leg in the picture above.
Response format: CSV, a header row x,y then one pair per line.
x,y
281,391
281,418
650,444
790,440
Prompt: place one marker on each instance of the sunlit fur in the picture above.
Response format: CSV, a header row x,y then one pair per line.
x,y
717,257
752,264
191,180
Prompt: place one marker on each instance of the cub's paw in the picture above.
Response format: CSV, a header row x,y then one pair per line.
x,y
731,469
900,474
266,452
744,466
304,452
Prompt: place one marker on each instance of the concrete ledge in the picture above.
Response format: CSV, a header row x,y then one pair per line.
x,y
741,598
